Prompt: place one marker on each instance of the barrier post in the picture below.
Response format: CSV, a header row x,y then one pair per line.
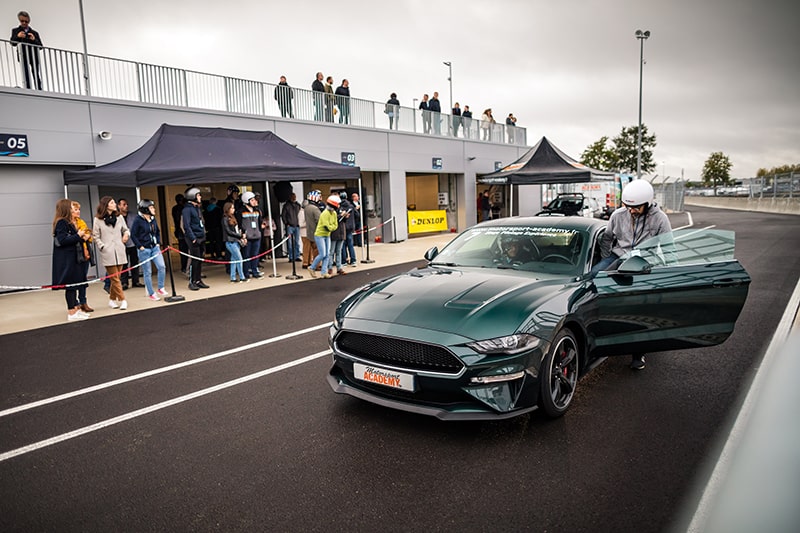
x,y
365,240
174,297
294,274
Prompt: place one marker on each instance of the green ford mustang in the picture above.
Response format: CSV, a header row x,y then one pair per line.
x,y
507,318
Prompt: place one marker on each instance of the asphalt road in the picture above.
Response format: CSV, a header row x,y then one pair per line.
x,y
281,452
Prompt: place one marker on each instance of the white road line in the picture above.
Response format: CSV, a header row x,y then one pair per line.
x,y
724,462
163,405
157,371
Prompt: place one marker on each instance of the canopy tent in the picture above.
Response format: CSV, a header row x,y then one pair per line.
x,y
544,163
193,155
189,154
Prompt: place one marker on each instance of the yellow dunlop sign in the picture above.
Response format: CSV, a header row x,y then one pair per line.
x,y
426,221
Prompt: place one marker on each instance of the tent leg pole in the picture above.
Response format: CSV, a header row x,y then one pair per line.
x,y
162,207
364,229
269,214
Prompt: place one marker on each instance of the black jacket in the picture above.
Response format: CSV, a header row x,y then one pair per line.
x,y
433,105
143,233
290,214
27,40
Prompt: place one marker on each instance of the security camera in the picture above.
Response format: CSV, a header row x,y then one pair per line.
x,y
105,135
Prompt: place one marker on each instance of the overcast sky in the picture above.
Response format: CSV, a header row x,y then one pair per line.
x,y
720,75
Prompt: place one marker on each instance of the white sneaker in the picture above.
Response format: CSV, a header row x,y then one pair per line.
x,y
123,304
113,304
87,315
153,297
162,291
77,316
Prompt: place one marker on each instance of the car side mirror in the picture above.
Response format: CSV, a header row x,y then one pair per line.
x,y
635,265
431,254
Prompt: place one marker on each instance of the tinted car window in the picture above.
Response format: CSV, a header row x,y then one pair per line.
x,y
687,247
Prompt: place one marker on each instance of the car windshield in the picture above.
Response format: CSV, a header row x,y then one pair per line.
x,y
525,248
687,247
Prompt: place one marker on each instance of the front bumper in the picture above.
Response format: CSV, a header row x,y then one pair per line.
x,y
446,398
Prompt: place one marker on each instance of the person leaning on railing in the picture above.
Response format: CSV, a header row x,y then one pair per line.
x,y
29,52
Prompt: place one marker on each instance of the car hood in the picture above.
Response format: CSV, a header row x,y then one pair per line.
x,y
474,303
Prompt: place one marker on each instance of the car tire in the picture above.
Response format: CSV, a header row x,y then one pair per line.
x,y
558,378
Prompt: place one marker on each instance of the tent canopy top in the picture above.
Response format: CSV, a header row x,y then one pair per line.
x,y
544,163
191,155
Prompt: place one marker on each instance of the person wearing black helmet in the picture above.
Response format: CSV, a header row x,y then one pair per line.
x,y
233,197
195,236
147,240
347,217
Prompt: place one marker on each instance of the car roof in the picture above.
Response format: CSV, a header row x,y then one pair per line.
x,y
572,223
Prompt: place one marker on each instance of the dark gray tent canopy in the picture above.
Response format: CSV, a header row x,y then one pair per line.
x,y
544,163
187,154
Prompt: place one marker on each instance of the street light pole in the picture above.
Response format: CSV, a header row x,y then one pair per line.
x,y
85,51
642,36
450,79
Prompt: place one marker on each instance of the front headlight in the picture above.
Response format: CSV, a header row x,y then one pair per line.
x,y
509,344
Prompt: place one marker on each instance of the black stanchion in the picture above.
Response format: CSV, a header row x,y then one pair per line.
x,y
292,244
174,297
365,240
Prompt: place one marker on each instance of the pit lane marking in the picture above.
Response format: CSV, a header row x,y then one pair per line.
x,y
156,371
163,405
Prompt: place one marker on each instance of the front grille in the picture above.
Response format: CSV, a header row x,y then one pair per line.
x,y
398,352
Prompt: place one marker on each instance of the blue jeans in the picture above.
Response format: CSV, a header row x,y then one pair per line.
x,y
603,264
82,288
293,232
336,254
147,267
235,252
350,250
324,248
251,261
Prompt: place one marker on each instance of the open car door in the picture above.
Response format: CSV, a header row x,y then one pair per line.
x,y
675,291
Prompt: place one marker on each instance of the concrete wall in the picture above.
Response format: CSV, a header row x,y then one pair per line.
x,y
786,206
62,133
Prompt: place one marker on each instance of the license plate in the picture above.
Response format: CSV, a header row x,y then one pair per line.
x,y
382,376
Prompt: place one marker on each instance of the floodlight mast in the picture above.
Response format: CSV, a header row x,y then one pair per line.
x,y
642,36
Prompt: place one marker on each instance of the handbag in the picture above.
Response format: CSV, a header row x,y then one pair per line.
x,y
85,254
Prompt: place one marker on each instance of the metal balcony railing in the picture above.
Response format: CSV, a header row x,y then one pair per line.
x,y
66,72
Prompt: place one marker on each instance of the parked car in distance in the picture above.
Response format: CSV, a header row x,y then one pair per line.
x,y
507,317
572,204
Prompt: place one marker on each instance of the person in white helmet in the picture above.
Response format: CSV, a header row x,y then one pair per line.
x,y
637,220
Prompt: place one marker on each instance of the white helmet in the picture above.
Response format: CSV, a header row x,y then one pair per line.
x,y
638,192
191,194
246,197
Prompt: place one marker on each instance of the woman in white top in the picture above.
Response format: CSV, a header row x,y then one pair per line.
x,y
110,234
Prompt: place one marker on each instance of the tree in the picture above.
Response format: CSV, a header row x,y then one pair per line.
x,y
598,155
625,147
717,169
782,169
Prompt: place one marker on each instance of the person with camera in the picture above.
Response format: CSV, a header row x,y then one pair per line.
x,y
29,51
